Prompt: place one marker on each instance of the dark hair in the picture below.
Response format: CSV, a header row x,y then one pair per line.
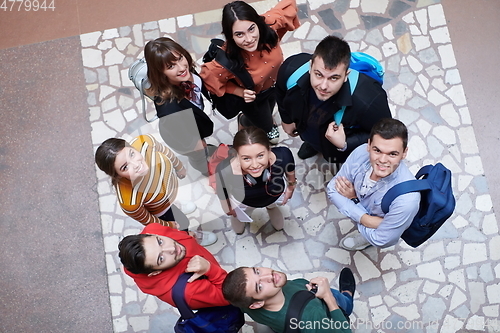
x,y
389,128
105,157
241,11
333,51
249,136
132,254
159,54
234,289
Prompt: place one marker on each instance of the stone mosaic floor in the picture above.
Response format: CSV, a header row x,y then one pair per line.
x,y
450,284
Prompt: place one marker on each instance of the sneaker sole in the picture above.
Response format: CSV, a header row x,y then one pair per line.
x,y
359,248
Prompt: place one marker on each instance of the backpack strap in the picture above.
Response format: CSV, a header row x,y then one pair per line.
x,y
408,186
178,296
292,80
297,305
436,169
141,90
424,171
240,73
353,82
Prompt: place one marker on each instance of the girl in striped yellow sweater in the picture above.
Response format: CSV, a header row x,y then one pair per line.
x,y
145,174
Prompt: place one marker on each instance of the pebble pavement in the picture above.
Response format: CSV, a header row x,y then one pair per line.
x,y
450,284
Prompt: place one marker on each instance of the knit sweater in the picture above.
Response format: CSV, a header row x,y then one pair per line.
x,y
152,195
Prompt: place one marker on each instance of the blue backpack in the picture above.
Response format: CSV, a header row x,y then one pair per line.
x,y
368,65
437,202
220,319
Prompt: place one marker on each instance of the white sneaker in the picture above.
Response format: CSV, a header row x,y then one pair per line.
x,y
274,135
187,207
354,242
205,238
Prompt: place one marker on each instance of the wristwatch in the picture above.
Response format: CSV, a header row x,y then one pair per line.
x,y
343,148
289,183
355,200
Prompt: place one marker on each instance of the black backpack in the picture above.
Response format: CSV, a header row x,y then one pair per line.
x,y
437,202
297,305
228,105
220,319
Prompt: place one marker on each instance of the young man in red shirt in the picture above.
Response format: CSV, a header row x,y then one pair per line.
x,y
159,255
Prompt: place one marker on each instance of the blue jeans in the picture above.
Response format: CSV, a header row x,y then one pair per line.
x,y
344,301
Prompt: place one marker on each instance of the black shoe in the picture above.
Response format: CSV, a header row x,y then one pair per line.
x,y
306,151
346,281
243,121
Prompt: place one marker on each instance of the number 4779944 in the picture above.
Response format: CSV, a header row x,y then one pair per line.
x,y
27,5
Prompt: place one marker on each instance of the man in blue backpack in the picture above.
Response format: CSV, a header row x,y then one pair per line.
x,y
365,177
320,105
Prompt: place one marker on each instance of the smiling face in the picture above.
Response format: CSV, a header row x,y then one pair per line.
x,y
327,82
264,283
178,71
385,155
162,252
254,159
246,35
130,164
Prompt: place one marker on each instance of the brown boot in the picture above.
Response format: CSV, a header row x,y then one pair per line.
x,y
276,217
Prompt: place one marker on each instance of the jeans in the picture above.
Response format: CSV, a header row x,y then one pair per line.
x,y
344,301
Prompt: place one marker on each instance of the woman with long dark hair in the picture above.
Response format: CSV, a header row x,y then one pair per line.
x,y
255,175
252,44
144,173
177,91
